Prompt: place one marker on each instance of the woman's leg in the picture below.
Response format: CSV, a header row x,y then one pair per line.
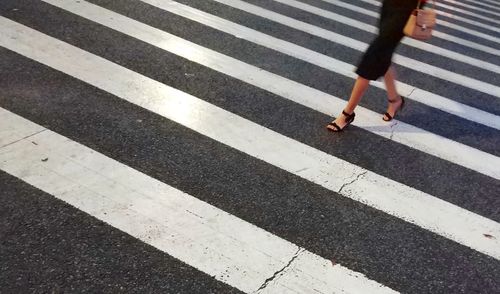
x,y
392,93
358,90
390,83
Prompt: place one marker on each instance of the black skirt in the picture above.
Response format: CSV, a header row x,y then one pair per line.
x,y
378,57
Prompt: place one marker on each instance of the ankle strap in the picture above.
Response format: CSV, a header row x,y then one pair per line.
x,y
395,100
347,114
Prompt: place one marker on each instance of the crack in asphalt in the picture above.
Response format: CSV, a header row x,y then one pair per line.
x,y
392,130
29,136
351,182
413,90
275,275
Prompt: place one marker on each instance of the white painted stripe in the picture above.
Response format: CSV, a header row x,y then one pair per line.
x,y
410,136
439,21
467,12
453,16
489,1
225,247
451,38
11,132
494,2
481,10
404,202
378,3
482,3
470,31
449,1
457,18
438,3
352,7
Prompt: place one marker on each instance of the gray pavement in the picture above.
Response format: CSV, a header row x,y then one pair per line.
x,y
49,246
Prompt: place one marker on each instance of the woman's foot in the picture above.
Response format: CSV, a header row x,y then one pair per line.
x,y
393,108
341,122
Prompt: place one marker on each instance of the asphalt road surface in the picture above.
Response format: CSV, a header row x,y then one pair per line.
x,y
156,146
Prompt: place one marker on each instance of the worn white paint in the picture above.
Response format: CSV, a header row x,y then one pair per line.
x,y
404,202
11,132
201,235
439,21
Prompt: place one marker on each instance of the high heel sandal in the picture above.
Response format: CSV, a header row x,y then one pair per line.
x,y
390,117
349,118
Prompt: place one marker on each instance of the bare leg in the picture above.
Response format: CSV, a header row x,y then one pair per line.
x,y
392,93
390,83
358,90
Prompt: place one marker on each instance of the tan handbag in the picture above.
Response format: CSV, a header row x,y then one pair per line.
x,y
421,23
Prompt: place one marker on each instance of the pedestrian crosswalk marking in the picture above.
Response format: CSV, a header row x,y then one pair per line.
x,y
481,10
331,36
324,61
373,29
454,39
402,133
391,197
483,3
363,26
459,18
467,12
439,4
258,38
467,21
332,64
11,131
203,236
440,22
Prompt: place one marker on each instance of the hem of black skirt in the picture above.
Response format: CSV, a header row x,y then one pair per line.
x,y
366,76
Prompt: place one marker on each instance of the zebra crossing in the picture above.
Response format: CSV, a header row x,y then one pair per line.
x,y
197,127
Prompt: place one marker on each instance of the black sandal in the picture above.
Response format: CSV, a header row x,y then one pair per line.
x,y
390,117
349,118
